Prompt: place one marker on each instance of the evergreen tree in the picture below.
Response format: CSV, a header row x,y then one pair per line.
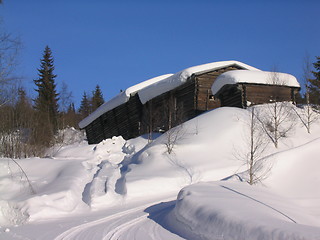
x,y
23,109
97,98
46,102
22,97
314,84
84,109
71,108
70,117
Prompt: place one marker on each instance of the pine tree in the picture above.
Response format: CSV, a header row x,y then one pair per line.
x,y
46,102
84,109
97,98
314,84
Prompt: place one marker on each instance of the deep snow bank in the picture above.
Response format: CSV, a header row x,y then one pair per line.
x,y
295,175
58,185
222,210
80,177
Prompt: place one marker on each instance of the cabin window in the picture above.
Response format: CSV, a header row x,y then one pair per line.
x,y
212,98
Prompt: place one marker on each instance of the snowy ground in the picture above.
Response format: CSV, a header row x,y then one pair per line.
x,y
134,190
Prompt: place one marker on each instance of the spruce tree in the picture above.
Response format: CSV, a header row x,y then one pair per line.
x,y
84,109
70,117
46,102
23,109
97,98
314,84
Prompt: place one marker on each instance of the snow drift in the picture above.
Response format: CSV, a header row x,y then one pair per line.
x,y
224,210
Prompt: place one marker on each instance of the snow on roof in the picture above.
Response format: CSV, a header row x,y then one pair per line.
x,y
121,98
257,77
181,77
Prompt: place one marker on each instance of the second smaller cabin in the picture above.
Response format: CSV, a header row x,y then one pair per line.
x,y
242,88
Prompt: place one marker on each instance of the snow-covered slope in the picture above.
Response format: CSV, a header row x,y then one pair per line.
x,y
115,188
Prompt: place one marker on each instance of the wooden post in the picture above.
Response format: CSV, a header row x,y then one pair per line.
x,y
149,105
243,90
207,100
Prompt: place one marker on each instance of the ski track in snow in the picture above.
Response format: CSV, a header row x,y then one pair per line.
x,y
129,224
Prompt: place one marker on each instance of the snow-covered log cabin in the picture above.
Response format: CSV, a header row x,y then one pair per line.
x,y
163,102
245,88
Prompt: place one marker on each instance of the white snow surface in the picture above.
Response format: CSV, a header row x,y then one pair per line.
x,y
133,189
121,98
257,77
225,210
181,77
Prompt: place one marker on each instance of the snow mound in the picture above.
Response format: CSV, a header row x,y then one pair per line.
x,y
70,136
222,210
201,152
293,175
58,190
101,191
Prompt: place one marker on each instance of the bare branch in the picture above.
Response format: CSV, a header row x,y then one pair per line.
x,y
173,136
252,155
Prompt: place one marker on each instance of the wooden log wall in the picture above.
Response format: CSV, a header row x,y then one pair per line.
x,y
204,98
243,95
185,102
231,96
169,109
123,120
94,131
258,94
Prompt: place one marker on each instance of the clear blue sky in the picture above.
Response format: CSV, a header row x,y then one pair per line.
x,y
117,44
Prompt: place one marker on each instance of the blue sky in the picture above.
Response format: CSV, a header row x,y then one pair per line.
x,y
117,44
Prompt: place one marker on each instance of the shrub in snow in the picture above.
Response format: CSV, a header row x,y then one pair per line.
x,y
277,120
64,137
172,136
308,114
